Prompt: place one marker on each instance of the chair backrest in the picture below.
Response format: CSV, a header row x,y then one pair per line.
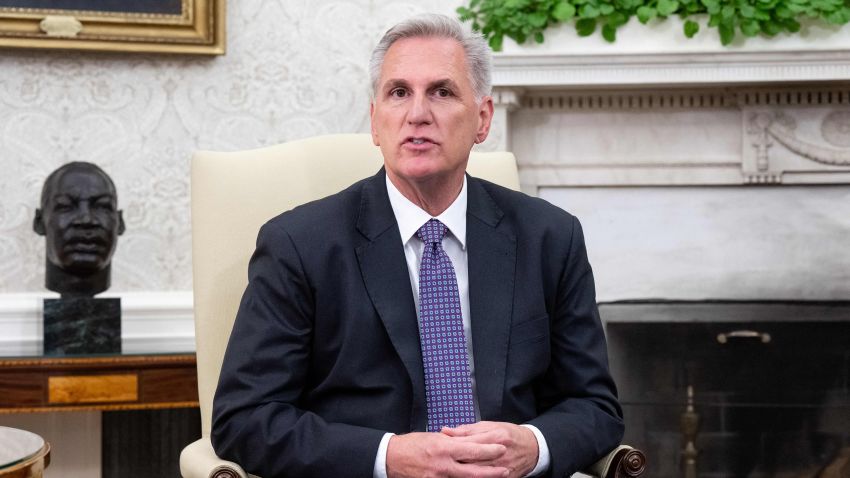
x,y
233,194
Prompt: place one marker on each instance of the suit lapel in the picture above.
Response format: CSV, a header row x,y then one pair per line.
x,y
492,265
385,275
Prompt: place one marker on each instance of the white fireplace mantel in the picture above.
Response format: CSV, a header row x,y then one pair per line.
x,y
660,55
658,109
697,170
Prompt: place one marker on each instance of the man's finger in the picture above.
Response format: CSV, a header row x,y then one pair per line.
x,y
468,469
466,430
476,452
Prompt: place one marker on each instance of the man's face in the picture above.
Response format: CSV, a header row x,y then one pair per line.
x,y
81,221
425,117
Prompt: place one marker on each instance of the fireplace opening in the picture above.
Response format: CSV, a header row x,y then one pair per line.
x,y
771,385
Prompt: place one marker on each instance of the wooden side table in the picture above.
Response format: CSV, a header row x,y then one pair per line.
x,y
121,382
22,454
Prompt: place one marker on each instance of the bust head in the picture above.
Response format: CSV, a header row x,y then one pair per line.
x,y
80,220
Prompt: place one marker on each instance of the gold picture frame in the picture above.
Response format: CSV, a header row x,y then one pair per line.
x,y
152,26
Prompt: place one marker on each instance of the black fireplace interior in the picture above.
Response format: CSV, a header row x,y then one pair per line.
x,y
771,385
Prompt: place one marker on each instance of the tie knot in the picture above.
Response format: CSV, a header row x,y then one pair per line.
x,y
432,232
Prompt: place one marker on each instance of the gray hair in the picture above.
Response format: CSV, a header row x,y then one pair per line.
x,y
478,56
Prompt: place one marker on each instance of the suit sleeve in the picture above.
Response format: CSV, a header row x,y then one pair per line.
x,y
259,420
580,418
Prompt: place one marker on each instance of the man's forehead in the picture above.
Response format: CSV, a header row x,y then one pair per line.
x,y
444,56
81,181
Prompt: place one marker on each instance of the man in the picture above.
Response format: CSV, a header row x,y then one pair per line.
x,y
421,322
80,220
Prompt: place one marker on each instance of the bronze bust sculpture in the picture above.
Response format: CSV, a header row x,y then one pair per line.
x,y
80,220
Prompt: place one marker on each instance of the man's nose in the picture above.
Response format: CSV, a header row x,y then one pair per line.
x,y
84,214
420,110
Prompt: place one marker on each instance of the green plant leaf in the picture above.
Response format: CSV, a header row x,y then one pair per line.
x,y
783,12
522,20
538,19
563,12
770,28
618,19
586,26
609,33
791,25
646,14
691,28
761,16
750,28
588,11
837,18
747,11
667,7
727,33
711,6
496,42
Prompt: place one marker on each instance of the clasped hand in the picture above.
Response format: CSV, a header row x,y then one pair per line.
x,y
483,449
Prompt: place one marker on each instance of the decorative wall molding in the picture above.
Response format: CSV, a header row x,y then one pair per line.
x,y
796,145
152,322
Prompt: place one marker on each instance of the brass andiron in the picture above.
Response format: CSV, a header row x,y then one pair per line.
x,y
690,427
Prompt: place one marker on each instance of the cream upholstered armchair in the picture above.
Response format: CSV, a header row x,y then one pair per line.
x,y
233,194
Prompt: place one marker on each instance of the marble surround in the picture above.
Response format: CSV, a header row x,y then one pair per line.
x,y
728,192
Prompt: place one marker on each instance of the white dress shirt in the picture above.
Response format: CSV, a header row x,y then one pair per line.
x,y
410,218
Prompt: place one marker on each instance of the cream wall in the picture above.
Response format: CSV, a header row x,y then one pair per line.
x,y
293,69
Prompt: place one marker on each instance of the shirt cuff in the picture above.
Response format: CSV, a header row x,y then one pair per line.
x,y
542,451
380,470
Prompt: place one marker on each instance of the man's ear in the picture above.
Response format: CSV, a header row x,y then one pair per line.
x,y
121,226
485,118
38,223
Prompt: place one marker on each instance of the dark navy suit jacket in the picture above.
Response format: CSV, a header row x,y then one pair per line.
x,y
324,356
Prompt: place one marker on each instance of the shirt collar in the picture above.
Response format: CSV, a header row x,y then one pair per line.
x,y
411,217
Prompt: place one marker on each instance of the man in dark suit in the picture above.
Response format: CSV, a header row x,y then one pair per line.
x,y
421,322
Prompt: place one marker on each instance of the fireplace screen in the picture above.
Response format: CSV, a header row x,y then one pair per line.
x,y
771,385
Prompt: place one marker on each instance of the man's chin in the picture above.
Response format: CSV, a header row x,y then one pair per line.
x,y
84,264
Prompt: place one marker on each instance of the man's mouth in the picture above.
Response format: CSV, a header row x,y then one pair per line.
x,y
84,247
419,140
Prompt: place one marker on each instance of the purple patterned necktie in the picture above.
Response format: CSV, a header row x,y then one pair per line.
x,y
448,384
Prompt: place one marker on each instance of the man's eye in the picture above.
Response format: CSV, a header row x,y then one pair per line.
x,y
398,93
443,92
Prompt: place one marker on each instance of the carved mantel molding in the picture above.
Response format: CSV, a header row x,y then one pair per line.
x,y
789,95
659,54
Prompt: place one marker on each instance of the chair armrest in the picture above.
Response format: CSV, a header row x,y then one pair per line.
x,y
621,462
198,460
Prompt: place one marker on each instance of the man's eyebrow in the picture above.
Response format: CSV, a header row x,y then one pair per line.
x,y
441,83
395,83
444,83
